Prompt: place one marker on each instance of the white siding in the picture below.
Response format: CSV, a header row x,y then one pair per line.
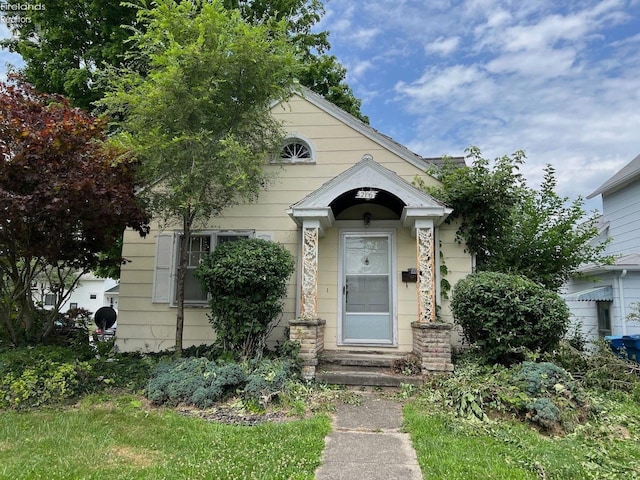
x,y
585,316
622,210
586,312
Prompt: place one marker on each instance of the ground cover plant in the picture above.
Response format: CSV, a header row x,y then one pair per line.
x,y
49,374
202,382
60,401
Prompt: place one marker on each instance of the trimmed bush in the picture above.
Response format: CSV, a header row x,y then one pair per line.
x,y
504,315
247,280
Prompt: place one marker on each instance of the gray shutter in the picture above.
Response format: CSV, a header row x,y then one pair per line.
x,y
162,274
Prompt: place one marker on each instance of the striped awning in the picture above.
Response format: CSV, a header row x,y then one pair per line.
x,y
598,294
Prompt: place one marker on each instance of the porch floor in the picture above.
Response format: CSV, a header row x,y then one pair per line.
x,y
362,369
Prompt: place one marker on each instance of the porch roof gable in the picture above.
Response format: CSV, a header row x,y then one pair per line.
x,y
368,175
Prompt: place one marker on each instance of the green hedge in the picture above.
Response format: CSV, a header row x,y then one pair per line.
x,y
504,315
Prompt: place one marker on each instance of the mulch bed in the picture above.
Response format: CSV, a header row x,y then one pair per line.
x,y
234,416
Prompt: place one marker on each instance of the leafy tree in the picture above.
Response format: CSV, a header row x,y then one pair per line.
x,y
200,120
66,44
513,228
547,238
64,198
482,198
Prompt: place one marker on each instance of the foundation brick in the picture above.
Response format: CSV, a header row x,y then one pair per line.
x,y
310,335
432,344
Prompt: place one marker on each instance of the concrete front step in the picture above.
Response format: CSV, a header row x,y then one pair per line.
x,y
334,374
360,358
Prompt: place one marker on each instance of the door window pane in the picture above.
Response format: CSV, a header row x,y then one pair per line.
x,y
366,255
367,293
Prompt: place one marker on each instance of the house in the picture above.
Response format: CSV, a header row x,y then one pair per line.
x,y
369,248
91,293
602,299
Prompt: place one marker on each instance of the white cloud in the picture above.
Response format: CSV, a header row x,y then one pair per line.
x,y
543,63
358,69
544,33
363,37
443,46
435,84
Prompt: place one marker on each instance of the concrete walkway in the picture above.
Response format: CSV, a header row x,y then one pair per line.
x,y
367,443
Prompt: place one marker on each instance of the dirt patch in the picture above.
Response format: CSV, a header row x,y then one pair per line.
x,y
5,447
137,457
618,432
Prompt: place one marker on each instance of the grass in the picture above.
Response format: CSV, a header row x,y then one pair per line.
x,y
123,440
450,447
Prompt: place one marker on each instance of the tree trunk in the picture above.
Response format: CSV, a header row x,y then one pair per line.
x,y
187,221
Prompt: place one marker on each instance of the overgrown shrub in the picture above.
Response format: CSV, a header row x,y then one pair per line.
x,y
503,315
247,280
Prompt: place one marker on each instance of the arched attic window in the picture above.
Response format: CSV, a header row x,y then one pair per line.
x,y
296,150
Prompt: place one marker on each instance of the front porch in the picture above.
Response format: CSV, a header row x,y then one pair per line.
x,y
432,348
365,320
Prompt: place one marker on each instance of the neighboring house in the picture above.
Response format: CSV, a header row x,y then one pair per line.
x,y
368,244
603,299
91,294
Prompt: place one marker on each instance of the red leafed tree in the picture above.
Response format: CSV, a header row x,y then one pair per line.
x,y
65,197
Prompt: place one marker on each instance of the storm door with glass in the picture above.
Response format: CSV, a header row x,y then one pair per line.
x,y
367,316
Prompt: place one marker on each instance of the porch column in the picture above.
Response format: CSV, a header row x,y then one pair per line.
x,y
431,339
308,329
426,271
309,293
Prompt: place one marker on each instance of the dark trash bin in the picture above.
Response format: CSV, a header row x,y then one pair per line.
x,y
632,346
615,342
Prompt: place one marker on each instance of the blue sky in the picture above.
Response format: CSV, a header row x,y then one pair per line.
x,y
558,79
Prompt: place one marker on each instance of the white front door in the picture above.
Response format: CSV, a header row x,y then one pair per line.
x,y
367,288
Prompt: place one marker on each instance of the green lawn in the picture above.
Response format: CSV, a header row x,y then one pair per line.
x,y
121,440
448,447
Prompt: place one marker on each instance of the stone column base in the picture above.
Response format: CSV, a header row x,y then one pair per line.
x,y
432,345
310,335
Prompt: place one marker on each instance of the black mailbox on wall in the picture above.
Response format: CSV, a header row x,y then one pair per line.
x,y
410,275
